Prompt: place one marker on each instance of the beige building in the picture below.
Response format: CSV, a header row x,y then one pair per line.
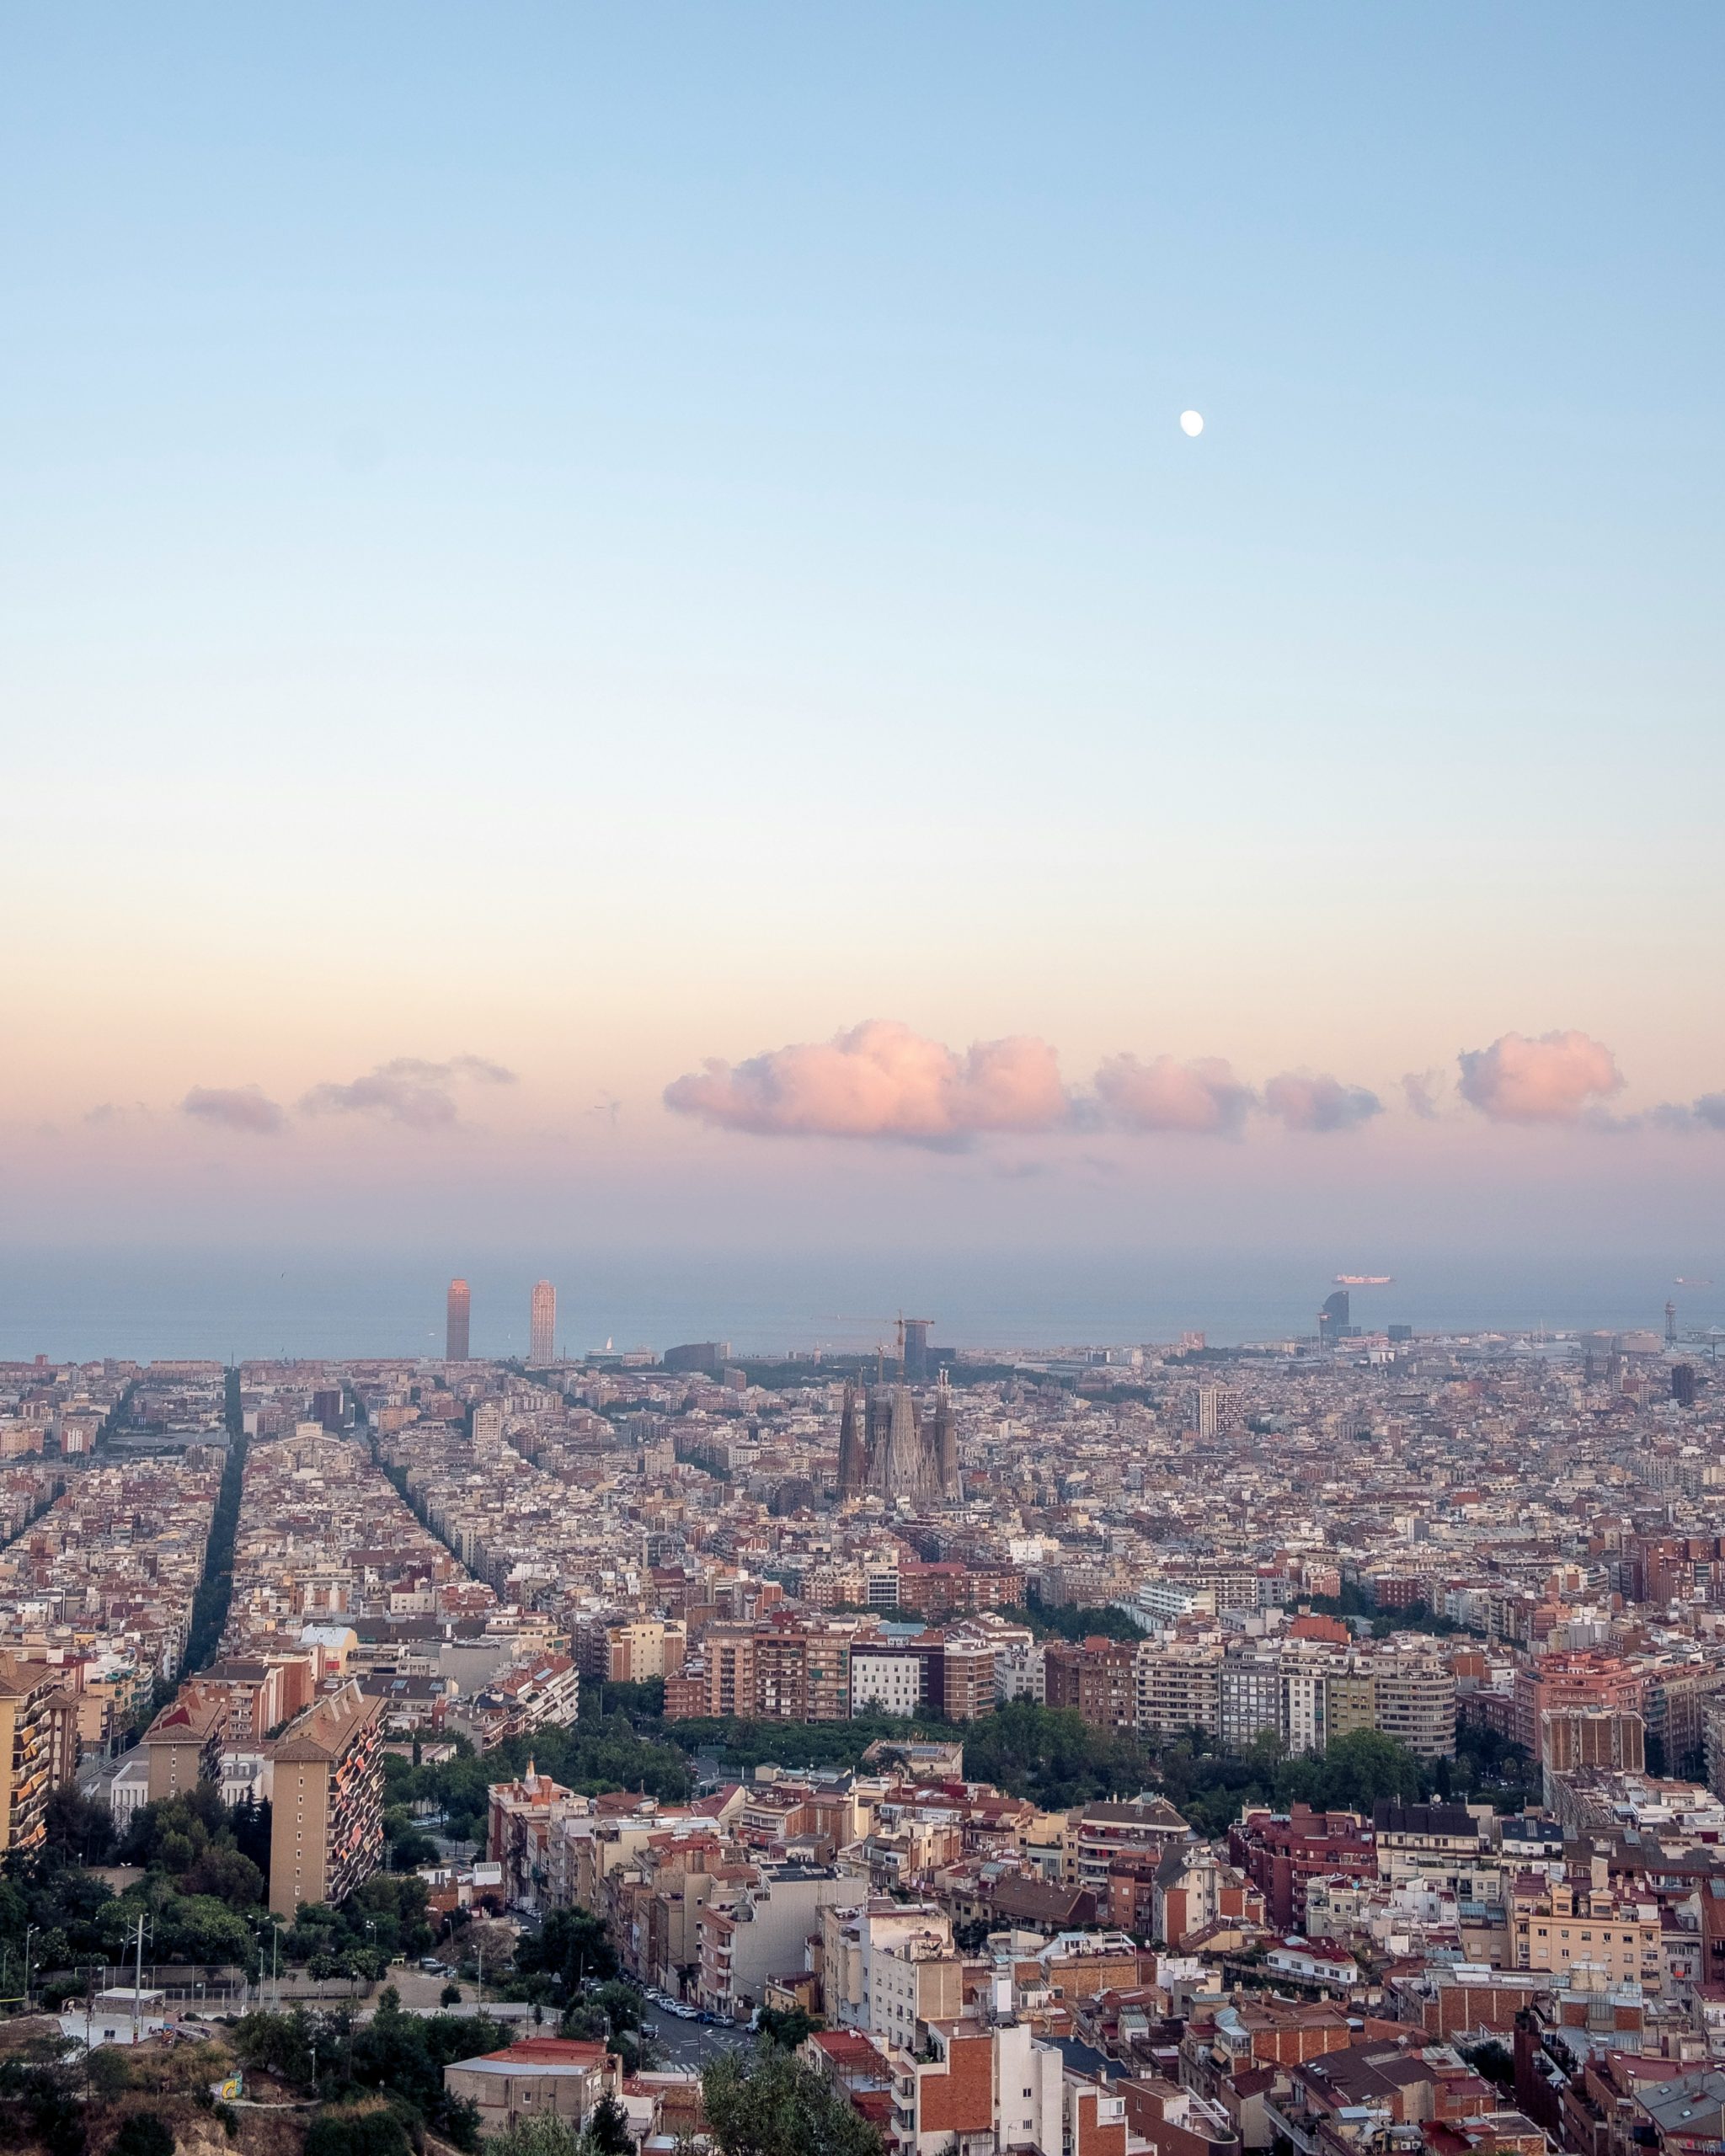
x,y
888,1965
1572,1928
184,1743
326,1829
1416,1701
541,2077
645,1647
1178,1686
25,1690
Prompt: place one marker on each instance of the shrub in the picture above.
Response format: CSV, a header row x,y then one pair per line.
x,y
143,2134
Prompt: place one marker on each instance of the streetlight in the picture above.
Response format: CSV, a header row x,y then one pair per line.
x,y
30,1933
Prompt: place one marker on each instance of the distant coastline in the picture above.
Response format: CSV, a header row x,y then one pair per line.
x,y
143,1305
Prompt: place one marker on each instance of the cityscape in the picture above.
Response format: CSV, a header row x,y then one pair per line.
x,y
862,1123
1281,1741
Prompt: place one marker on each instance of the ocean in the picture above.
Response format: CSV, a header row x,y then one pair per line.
x,y
227,1303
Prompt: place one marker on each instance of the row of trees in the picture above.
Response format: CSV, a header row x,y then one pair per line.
x,y
1057,1759
202,1896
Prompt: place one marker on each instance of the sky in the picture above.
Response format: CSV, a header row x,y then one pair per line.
x,y
608,633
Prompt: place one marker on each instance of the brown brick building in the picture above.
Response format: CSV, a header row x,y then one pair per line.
x,y
1097,1677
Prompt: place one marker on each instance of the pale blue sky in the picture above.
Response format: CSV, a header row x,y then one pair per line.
x,y
673,520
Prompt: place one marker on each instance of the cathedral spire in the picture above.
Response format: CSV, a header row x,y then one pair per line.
x,y
946,1444
853,1450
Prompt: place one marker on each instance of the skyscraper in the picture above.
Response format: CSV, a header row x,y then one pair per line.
x,y
460,1310
542,1324
1333,1318
916,1330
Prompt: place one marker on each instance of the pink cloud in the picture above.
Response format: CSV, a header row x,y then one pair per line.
x,y
1315,1101
1551,1079
880,1079
1163,1094
407,1090
244,1108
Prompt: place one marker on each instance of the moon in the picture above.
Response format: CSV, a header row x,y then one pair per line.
x,y
1192,423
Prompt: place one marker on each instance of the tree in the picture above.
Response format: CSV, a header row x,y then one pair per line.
x,y
357,2133
607,2131
144,2134
772,2105
77,1830
546,2136
621,2005
39,2102
789,2029
451,1995
281,2043
571,1945
226,1875
1365,1765
1493,2060
106,2073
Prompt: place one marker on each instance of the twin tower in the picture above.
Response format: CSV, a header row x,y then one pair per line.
x,y
542,1324
892,1453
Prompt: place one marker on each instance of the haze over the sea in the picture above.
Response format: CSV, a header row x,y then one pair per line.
x,y
260,1302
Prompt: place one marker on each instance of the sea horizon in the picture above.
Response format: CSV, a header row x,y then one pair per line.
x,y
262,1302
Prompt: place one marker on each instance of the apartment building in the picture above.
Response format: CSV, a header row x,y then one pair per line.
x,y
887,1677
521,1819
644,1648
1283,1853
1096,1676
757,1929
1179,1686
1438,1845
803,1672
1250,1701
887,1966
327,1828
1579,1925
973,2089
26,1689
184,1743
1416,1698
1101,1834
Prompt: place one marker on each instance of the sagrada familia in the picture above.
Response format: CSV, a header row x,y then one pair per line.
x,y
890,1452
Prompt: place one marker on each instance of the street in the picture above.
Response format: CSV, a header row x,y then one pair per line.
x,y
690,2044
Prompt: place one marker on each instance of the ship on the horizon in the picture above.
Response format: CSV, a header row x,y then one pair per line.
x,y
1366,1280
